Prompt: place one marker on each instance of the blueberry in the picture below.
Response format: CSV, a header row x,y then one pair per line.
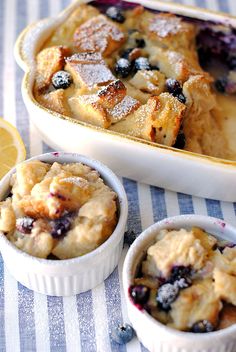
x,y
126,52
204,56
202,326
140,43
61,79
167,294
220,84
230,87
180,276
60,227
139,294
123,68
130,237
179,272
232,63
173,86
181,98
115,14
222,247
155,67
180,141
25,224
142,63
122,334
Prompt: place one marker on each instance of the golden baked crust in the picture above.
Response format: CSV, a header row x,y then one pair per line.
x,y
49,61
168,30
158,120
89,70
225,286
195,280
56,101
196,303
94,45
60,209
112,94
98,34
227,316
87,108
7,216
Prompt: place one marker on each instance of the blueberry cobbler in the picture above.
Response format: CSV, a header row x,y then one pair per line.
x,y
142,74
58,211
187,281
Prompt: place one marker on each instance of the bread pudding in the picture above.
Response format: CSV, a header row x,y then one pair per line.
x,y
140,73
187,281
58,211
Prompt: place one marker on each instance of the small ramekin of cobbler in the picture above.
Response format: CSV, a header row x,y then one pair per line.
x,y
62,221
180,285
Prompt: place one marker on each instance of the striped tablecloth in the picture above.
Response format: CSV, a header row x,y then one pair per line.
x,y
34,322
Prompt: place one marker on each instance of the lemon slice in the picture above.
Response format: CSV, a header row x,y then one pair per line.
x,y
12,149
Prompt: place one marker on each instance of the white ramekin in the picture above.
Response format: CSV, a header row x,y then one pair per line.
x,y
155,336
70,276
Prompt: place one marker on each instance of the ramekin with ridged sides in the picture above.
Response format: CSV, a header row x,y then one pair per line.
x,y
70,276
155,336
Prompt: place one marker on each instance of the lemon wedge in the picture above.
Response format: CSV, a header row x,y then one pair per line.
x,y
12,149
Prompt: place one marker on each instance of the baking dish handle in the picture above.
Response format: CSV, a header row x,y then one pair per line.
x,y
32,38
29,41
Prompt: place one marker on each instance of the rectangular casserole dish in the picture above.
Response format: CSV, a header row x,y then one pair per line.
x,y
131,157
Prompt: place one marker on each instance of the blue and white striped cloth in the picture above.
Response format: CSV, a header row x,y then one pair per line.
x,y
34,322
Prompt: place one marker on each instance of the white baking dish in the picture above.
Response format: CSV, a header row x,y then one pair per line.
x,y
70,276
154,335
129,156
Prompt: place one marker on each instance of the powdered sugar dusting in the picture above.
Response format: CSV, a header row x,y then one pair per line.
x,y
125,107
123,63
77,181
95,74
95,34
164,26
88,99
86,58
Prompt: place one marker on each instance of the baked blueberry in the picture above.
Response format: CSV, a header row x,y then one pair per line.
x,y
155,67
230,87
179,272
61,79
142,63
166,294
115,14
122,334
181,97
181,276
202,326
173,86
123,68
139,294
126,52
232,63
220,84
129,237
180,141
60,227
204,56
140,43
24,224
